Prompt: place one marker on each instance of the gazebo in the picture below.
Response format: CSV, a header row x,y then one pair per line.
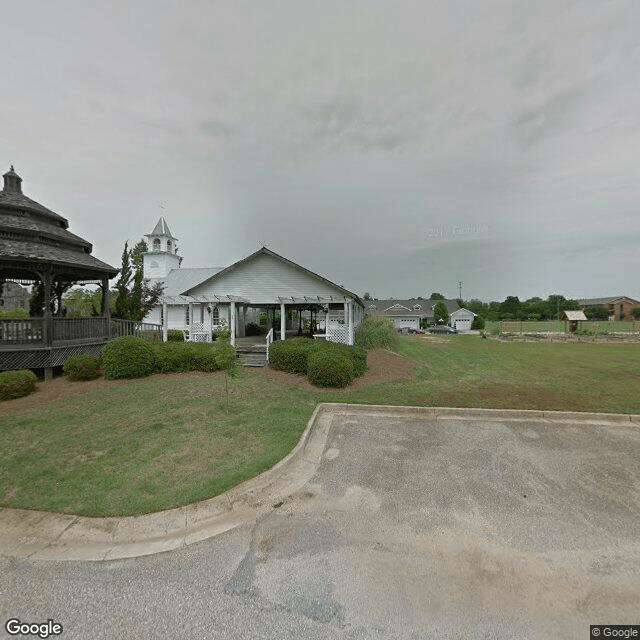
x,y
36,247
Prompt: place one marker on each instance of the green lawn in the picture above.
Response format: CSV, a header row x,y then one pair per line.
x,y
166,441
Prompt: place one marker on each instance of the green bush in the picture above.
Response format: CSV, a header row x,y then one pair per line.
x,y
85,367
175,335
225,357
15,384
186,356
376,333
291,355
14,313
127,357
478,323
329,368
223,335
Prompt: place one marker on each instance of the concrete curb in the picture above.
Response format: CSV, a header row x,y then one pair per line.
x,y
49,536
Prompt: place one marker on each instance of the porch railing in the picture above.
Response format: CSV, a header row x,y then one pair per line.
x,y
269,340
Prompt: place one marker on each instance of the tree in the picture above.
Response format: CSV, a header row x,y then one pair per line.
x,y
436,296
135,296
122,286
510,309
597,313
367,296
441,313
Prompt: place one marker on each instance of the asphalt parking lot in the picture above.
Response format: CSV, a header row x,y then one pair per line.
x,y
412,526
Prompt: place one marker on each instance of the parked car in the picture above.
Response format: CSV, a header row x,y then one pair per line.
x,y
442,328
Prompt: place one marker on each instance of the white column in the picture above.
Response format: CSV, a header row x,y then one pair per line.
x,y
283,320
232,323
190,314
165,321
350,322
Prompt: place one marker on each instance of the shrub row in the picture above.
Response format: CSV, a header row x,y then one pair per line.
x,y
84,367
327,364
15,384
130,357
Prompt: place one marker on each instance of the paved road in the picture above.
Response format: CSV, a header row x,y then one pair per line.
x,y
411,527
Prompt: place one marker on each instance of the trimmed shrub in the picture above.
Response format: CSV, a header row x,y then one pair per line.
x,y
376,333
127,357
15,384
85,367
478,323
329,368
185,356
291,355
175,335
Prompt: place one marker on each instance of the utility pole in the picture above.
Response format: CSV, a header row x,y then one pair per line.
x,y
460,283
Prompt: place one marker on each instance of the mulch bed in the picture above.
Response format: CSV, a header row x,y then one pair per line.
x,y
384,366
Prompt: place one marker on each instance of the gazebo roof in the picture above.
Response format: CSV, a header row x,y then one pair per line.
x,y
33,236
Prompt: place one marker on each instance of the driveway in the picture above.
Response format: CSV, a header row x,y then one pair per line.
x,y
415,524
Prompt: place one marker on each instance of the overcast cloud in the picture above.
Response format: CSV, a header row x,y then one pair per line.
x,y
395,147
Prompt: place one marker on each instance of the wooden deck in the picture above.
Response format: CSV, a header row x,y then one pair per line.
x,y
33,343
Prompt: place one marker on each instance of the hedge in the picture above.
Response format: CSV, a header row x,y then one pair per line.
x,y
294,356
330,369
127,357
190,356
84,367
15,384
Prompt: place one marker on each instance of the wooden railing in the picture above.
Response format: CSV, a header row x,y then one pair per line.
x,y
268,341
46,332
22,331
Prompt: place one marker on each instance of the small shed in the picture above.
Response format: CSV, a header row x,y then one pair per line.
x,y
572,320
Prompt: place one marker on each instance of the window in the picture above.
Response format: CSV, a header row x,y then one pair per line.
x,y
168,245
186,316
156,244
215,316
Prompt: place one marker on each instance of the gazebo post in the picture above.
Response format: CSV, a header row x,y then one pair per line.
x,y
283,320
48,322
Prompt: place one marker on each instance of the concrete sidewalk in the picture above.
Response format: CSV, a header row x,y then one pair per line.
x,y
47,536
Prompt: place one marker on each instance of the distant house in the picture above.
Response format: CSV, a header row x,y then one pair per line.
x,y
462,319
14,296
407,314
619,307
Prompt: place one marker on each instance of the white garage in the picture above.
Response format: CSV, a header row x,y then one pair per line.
x,y
462,319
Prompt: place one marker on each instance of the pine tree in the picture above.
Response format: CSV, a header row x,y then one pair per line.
x,y
123,306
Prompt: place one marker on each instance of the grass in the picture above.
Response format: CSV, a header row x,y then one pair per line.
x,y
466,371
168,440
151,444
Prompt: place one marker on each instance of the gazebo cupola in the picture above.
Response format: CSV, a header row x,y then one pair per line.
x,y
162,255
12,181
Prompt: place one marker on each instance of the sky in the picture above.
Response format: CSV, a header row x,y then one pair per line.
x,y
394,147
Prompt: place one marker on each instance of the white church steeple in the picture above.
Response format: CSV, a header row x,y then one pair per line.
x,y
162,255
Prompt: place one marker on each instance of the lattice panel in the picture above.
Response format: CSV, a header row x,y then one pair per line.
x,y
337,332
44,358
200,332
